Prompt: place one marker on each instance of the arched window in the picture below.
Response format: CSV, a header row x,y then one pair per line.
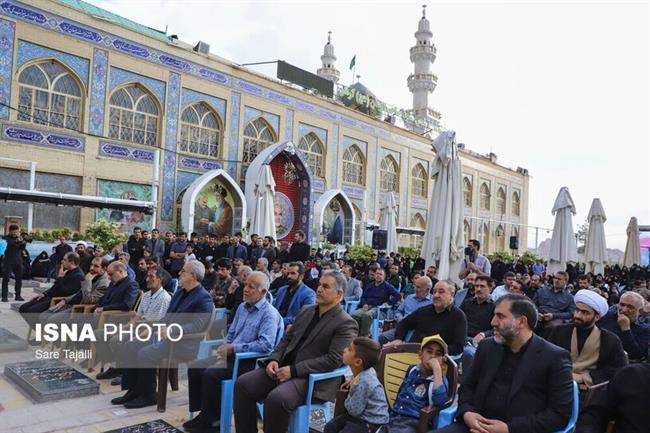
x,y
358,232
501,238
419,181
312,148
389,171
485,197
49,95
501,201
353,162
258,135
133,116
417,222
516,204
484,237
200,130
467,231
467,192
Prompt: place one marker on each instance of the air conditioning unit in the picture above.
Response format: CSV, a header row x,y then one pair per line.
x,y
202,48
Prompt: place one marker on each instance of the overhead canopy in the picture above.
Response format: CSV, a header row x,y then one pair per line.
x,y
563,242
595,245
57,198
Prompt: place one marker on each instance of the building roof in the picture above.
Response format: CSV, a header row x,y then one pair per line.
x,y
100,13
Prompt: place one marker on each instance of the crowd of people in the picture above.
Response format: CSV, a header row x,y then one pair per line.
x,y
521,335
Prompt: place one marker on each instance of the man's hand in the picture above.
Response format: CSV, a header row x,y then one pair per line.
x,y
472,266
475,422
477,339
225,349
233,286
89,276
38,297
98,311
61,271
283,374
496,426
60,304
393,343
549,316
623,322
272,369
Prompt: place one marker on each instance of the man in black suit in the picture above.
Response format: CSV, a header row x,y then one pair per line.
x,y
299,250
314,344
13,263
519,383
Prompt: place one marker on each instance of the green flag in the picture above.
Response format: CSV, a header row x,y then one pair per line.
x,y
353,62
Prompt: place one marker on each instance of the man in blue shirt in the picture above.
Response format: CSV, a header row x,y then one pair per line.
x,y
623,320
236,250
474,261
421,298
377,293
290,299
177,253
254,329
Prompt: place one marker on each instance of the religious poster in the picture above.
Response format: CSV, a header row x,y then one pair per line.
x,y
333,222
127,191
283,212
213,210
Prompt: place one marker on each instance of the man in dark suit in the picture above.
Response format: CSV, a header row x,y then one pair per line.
x,y
314,344
519,383
196,305
13,262
121,293
299,250
156,246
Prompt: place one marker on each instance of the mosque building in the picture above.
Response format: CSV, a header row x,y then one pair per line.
x,y
98,102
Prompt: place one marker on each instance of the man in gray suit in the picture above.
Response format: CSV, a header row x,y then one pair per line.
x,y
314,344
156,246
353,290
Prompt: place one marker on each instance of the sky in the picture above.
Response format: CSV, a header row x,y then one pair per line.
x,y
559,88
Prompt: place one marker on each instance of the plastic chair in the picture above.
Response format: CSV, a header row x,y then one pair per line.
x,y
174,285
269,297
574,411
351,305
299,421
378,320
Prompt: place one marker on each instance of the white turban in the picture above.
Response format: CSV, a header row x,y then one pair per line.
x,y
593,300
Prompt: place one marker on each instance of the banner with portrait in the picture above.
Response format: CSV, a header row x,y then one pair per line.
x,y
127,191
213,209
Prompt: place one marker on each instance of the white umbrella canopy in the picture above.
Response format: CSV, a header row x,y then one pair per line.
x,y
263,222
387,222
443,239
563,243
595,245
632,246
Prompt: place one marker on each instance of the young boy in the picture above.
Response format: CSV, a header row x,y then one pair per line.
x,y
190,253
366,406
424,385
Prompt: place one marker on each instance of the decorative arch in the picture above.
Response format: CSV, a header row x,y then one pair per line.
x,y
467,192
417,222
226,204
516,203
358,229
314,153
258,135
501,201
354,166
51,94
500,234
467,231
419,184
201,130
484,237
326,214
389,170
134,114
293,188
484,193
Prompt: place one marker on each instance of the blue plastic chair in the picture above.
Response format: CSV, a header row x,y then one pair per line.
x,y
174,285
351,305
299,421
378,320
269,297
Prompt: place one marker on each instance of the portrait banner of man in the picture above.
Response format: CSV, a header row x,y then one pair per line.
x,y
221,222
127,191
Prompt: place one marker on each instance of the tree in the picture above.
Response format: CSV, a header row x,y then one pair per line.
x,y
105,234
581,233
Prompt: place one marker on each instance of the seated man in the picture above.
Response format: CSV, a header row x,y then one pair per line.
x,y
555,304
167,282
421,298
196,306
478,310
121,293
313,345
441,317
597,354
292,298
519,383
625,403
353,291
503,289
377,293
467,291
224,281
622,320
235,293
93,288
68,283
254,330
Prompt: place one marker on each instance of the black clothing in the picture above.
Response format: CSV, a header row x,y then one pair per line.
x,y
478,315
221,251
135,250
299,252
626,402
209,281
60,251
290,358
13,264
277,283
451,324
13,252
286,301
283,256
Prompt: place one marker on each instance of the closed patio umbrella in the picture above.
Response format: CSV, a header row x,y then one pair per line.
x,y
563,243
443,239
387,222
263,222
595,246
632,246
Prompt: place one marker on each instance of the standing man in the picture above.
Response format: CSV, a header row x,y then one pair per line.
x,y
177,253
290,299
156,246
474,261
623,320
313,345
61,250
299,251
236,250
13,263
519,382
135,247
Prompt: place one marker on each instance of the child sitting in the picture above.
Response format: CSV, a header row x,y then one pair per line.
x,y
424,385
366,406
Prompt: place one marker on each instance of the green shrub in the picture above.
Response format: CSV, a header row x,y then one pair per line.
x,y
361,252
105,234
409,251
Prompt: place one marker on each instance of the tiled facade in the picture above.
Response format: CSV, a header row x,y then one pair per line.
x,y
105,57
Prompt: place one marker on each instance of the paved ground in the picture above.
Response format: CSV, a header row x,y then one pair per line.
x,y
79,415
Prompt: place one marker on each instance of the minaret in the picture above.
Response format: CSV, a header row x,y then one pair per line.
x,y
422,82
328,71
